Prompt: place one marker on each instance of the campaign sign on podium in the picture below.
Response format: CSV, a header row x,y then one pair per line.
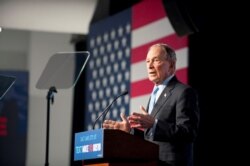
x,y
88,145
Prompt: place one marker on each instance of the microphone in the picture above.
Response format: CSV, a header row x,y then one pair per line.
x,y
106,110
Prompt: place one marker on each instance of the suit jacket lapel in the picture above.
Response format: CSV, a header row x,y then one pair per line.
x,y
166,93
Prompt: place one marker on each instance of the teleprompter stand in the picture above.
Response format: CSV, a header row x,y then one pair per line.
x,y
61,72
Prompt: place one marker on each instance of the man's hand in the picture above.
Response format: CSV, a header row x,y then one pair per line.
x,y
141,120
120,125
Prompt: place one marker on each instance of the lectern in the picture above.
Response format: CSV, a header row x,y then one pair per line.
x,y
107,147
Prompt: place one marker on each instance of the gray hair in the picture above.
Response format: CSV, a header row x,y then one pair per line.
x,y
170,53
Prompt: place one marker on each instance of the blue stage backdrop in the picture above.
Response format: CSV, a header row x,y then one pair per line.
x,y
13,121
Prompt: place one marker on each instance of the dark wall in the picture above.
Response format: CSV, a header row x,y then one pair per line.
x,y
107,8
212,67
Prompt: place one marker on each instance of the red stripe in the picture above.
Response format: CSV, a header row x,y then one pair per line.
x,y
139,53
141,87
147,11
181,74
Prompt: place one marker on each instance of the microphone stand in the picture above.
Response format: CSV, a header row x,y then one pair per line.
x,y
50,98
104,113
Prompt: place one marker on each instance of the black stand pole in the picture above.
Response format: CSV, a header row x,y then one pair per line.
x,y
50,97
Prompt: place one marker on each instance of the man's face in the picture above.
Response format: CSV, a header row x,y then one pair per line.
x,y
157,65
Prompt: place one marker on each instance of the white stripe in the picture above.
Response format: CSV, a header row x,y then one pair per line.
x,y
136,102
139,69
182,58
151,32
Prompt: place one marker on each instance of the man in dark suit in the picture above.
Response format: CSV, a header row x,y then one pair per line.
x,y
171,119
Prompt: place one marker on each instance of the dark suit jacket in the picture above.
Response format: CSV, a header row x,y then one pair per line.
x,y
177,112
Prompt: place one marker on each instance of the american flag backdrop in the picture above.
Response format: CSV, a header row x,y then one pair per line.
x,y
118,46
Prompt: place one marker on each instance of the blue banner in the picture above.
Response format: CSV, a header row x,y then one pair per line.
x,y
13,120
88,145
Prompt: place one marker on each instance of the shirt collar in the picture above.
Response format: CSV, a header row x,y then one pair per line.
x,y
166,81
161,87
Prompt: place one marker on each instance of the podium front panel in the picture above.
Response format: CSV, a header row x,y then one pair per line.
x,y
88,145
